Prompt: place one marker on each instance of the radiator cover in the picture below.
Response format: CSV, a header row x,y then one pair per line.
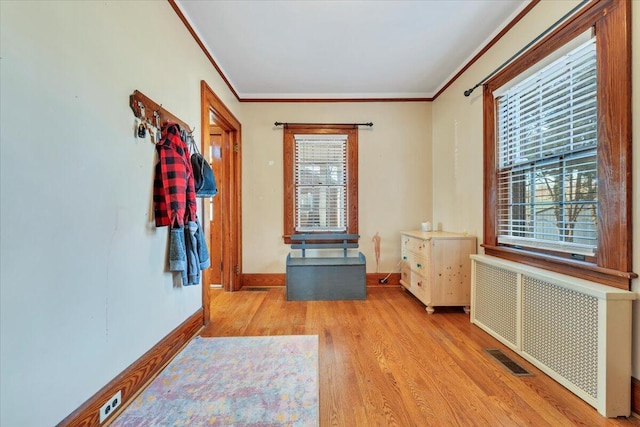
x,y
578,332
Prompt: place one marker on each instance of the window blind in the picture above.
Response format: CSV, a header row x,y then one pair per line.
x,y
547,159
320,179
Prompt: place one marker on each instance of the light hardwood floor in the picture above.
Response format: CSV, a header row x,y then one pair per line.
x,y
386,362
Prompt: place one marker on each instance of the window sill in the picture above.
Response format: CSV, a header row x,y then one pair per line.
x,y
580,269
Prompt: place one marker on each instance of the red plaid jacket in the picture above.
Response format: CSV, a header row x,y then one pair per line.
x,y
174,196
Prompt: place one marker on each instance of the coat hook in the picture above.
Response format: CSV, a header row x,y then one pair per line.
x,y
143,116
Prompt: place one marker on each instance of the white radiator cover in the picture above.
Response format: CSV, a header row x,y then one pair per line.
x,y
577,332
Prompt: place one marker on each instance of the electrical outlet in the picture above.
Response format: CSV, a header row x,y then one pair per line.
x,y
111,405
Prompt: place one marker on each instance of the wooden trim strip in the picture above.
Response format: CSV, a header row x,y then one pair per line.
x,y
579,269
392,280
615,189
184,20
138,374
571,28
635,395
490,195
488,46
337,99
263,280
229,121
279,279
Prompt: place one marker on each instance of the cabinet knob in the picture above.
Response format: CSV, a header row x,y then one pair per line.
x,y
419,265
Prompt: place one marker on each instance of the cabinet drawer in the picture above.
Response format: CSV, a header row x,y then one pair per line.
x,y
417,246
413,281
405,275
419,287
416,263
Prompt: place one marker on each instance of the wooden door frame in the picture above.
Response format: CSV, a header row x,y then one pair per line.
x,y
231,197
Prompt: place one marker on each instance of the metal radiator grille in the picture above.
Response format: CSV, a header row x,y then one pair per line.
x,y
496,300
560,329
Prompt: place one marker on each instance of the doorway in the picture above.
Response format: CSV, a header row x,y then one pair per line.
x,y
221,138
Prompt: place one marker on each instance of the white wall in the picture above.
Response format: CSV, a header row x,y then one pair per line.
x,y
84,291
457,136
394,176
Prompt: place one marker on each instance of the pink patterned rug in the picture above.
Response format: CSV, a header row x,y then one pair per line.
x,y
233,381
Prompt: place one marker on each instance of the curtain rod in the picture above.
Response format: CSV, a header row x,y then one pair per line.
x,y
323,124
531,43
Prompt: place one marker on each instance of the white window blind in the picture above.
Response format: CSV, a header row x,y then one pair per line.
x,y
320,178
547,160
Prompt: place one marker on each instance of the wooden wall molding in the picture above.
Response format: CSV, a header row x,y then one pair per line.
x,y
488,46
279,279
263,280
137,375
332,100
206,53
373,279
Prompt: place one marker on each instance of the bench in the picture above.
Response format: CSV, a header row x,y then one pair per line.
x,y
315,278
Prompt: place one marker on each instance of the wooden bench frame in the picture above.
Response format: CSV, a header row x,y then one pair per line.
x,y
325,278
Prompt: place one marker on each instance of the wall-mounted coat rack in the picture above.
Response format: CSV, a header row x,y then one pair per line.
x,y
152,113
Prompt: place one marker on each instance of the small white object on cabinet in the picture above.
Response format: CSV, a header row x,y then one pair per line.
x,y
436,267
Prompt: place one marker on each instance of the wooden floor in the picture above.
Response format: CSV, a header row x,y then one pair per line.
x,y
386,362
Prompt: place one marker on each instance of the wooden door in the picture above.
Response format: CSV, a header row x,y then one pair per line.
x,y
213,275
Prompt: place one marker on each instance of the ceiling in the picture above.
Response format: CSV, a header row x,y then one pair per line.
x,y
344,49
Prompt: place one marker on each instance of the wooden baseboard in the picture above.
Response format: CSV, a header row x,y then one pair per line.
x,y
279,279
373,279
139,373
265,279
635,396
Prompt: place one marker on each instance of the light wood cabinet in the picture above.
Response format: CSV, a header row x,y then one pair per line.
x,y
436,267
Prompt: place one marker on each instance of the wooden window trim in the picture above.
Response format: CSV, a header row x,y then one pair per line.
x,y
611,20
288,167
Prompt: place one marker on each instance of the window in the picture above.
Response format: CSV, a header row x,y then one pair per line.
x,y
547,157
320,182
557,145
320,167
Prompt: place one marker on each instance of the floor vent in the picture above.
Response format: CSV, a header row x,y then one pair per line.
x,y
256,289
505,361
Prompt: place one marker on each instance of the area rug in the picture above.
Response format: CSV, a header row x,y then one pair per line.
x,y
233,381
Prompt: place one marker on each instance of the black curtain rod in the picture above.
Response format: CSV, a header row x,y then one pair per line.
x,y
324,124
531,43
